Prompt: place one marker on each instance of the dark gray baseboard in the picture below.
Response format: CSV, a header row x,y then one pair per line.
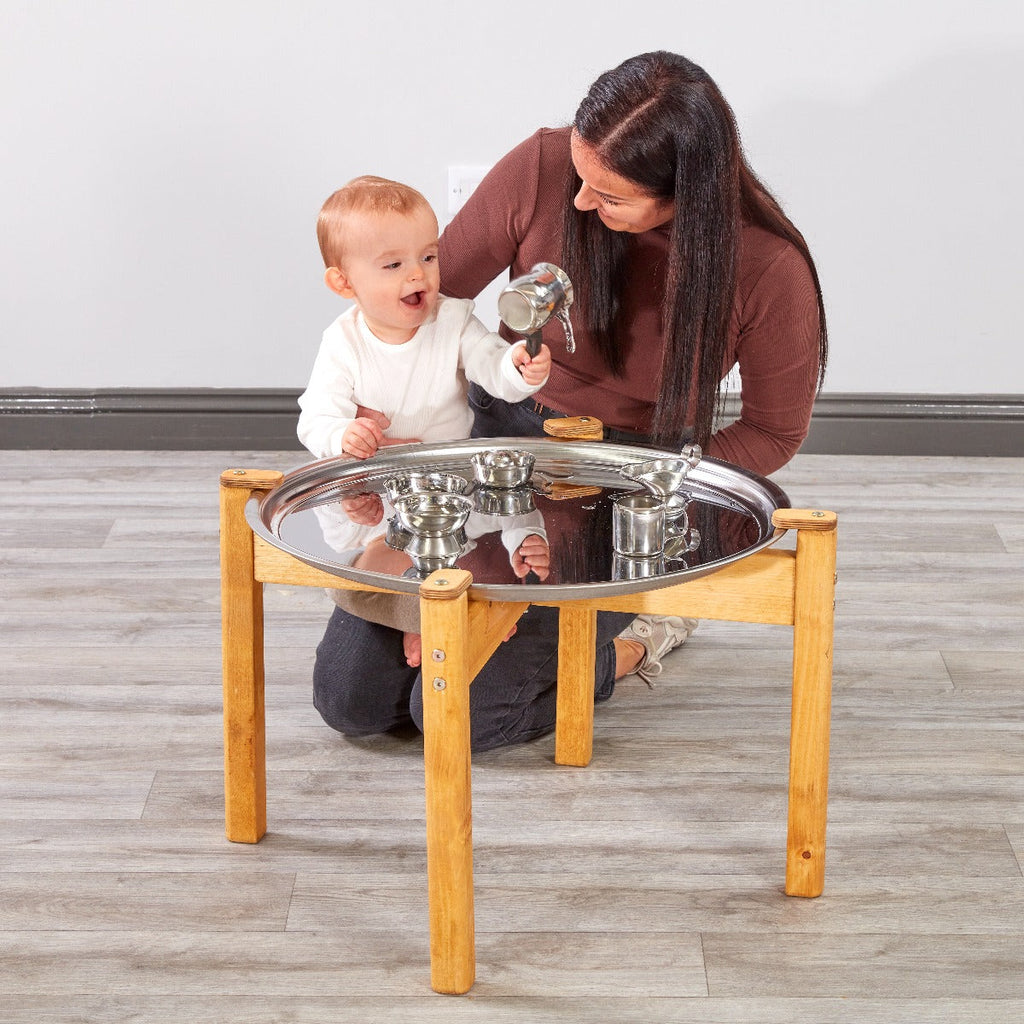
x,y
193,419
899,424
212,419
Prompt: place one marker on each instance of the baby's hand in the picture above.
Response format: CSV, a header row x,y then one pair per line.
x,y
365,509
364,411
534,369
533,555
362,438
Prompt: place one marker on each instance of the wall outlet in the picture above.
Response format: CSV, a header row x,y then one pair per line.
x,y
462,181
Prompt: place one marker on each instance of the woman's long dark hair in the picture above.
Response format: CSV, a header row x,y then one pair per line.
x,y
659,121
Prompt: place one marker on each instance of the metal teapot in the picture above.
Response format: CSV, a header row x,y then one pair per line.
x,y
527,303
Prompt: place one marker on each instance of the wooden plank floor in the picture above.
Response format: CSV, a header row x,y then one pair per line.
x,y
645,888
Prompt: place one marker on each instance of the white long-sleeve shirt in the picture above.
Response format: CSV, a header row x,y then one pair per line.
x,y
421,385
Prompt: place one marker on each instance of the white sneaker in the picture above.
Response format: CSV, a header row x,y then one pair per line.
x,y
657,634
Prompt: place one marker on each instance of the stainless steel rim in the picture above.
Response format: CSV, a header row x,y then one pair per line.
x,y
584,462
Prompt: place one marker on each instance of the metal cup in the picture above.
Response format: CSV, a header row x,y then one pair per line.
x,y
625,568
638,525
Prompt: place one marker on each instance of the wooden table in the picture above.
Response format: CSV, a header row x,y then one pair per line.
x,y
460,632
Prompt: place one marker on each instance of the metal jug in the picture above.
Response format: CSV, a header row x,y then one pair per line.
x,y
527,303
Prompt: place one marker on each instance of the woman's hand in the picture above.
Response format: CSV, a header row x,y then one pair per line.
x,y
533,369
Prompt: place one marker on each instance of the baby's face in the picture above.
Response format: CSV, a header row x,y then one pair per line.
x,y
390,262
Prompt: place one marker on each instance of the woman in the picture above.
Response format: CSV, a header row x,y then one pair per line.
x,y
682,263
683,267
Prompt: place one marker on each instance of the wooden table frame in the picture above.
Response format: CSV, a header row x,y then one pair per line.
x,y
460,632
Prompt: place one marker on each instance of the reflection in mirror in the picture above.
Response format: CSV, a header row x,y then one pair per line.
x,y
402,514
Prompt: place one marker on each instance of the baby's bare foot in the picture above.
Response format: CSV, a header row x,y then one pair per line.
x,y
412,644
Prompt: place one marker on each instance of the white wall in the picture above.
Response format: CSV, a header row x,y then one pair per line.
x,y
163,165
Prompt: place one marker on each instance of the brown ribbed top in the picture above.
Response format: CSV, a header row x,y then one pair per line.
x,y
513,220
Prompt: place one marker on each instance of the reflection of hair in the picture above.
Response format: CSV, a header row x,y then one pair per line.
x,y
366,194
659,121
581,545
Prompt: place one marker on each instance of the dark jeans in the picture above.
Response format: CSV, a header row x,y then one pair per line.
x,y
494,417
362,685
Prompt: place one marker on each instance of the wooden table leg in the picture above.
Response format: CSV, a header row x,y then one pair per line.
x,y
245,772
574,715
444,622
812,702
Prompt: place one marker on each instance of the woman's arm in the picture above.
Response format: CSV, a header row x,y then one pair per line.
x,y
777,354
484,238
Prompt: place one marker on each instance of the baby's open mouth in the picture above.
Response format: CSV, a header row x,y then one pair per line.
x,y
415,300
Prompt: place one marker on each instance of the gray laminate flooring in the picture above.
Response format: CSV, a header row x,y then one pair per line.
x,y
645,888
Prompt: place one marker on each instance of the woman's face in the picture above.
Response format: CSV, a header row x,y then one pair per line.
x,y
620,203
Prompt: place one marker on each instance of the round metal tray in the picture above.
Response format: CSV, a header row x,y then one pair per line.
x,y
315,513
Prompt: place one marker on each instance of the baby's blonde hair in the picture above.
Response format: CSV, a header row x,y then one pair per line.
x,y
365,194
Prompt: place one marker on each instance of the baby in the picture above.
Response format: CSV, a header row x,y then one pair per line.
x,y
395,366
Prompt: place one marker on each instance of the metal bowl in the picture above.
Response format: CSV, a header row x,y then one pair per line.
x,y
424,565
503,501
424,483
503,467
445,545
397,536
433,512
